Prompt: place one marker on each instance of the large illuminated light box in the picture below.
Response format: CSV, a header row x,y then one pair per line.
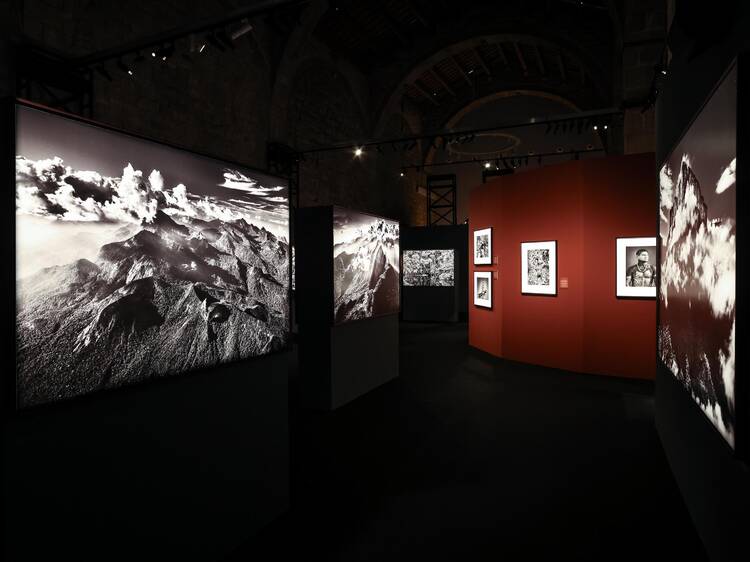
x,y
365,266
698,276
348,298
137,260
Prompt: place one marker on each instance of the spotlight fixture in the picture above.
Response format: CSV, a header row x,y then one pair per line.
x,y
605,127
202,47
596,127
153,53
401,174
358,152
245,27
124,67
166,52
487,165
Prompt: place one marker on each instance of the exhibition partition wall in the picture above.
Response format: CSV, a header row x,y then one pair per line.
x,y
702,389
553,267
136,260
434,283
347,285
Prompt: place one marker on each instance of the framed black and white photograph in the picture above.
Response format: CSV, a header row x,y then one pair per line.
x,y
428,268
137,260
483,246
539,268
483,288
636,267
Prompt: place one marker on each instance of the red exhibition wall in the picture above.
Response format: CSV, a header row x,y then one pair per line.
x,y
585,205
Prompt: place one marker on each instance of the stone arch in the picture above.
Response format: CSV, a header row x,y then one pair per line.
x,y
484,100
586,63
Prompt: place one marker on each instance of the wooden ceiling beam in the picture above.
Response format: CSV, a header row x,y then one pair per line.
x,y
395,28
539,60
503,56
418,14
434,72
426,94
521,60
482,62
561,66
460,68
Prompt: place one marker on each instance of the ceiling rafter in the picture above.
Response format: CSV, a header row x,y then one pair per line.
x,y
426,94
436,74
395,28
503,56
418,14
461,70
539,59
561,66
482,62
521,60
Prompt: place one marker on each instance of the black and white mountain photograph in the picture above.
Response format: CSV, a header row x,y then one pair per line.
x,y
135,260
365,266
697,222
428,268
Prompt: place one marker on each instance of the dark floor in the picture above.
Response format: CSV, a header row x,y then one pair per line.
x,y
464,457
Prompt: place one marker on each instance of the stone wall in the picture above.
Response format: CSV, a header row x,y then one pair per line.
x,y
228,104
285,85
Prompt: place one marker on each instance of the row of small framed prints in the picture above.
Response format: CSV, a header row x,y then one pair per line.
x,y
636,274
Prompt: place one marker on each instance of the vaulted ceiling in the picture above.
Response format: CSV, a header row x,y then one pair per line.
x,y
441,55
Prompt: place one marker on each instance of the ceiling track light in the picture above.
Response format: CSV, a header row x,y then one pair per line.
x,y
166,51
245,27
124,67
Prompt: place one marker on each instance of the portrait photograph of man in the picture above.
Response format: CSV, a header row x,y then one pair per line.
x,y
636,267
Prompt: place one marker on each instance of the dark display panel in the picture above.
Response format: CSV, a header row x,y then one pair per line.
x,y
697,224
365,266
428,268
137,260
